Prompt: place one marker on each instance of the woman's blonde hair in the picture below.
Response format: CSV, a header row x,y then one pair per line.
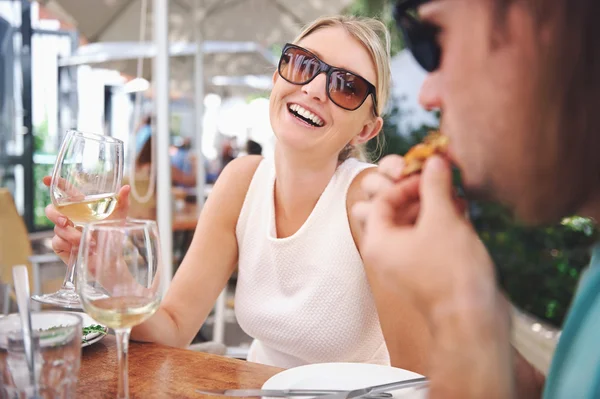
x,y
374,36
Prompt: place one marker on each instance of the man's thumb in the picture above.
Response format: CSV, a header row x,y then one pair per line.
x,y
436,189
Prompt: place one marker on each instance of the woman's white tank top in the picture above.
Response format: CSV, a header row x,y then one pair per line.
x,y
305,298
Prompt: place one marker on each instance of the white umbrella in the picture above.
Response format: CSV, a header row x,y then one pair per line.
x,y
230,68
263,21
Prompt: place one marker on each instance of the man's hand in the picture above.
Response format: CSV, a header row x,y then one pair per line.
x,y
443,267
417,233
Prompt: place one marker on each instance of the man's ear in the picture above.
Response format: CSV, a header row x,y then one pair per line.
x,y
275,77
369,130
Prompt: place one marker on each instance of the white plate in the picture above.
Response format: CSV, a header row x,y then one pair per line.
x,y
344,376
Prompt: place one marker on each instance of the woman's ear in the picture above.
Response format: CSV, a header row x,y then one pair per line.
x,y
369,130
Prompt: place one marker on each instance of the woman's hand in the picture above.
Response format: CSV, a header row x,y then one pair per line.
x,y
66,235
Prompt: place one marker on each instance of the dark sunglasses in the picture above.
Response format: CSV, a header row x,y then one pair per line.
x,y
345,89
420,37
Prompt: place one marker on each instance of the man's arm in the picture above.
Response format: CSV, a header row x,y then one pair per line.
x,y
442,265
471,353
530,382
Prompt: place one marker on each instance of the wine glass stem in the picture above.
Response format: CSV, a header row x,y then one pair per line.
x,y
122,335
69,283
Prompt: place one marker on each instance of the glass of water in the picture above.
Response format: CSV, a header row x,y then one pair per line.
x,y
57,356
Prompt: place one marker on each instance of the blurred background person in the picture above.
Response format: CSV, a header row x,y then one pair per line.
x,y
179,177
143,133
181,158
228,152
253,148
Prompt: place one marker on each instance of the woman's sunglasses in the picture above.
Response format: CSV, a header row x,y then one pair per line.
x,y
345,89
420,37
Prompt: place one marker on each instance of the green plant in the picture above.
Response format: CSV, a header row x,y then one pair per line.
x,y
41,195
382,10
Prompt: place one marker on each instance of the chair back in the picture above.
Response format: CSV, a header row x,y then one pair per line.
x,y
15,248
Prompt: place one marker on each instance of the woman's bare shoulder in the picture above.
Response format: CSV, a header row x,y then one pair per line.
x,y
231,187
239,172
356,193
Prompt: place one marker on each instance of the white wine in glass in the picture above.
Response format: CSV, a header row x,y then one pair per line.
x,y
121,259
85,183
93,209
122,312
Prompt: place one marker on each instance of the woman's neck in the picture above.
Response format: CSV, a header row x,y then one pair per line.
x,y
299,184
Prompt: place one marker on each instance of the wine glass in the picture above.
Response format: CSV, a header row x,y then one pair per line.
x,y
122,259
86,179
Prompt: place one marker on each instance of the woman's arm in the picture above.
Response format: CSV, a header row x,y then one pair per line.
x,y
406,332
208,264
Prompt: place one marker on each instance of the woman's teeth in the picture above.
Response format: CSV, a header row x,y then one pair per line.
x,y
306,115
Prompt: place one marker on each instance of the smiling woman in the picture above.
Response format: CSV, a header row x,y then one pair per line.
x,y
303,291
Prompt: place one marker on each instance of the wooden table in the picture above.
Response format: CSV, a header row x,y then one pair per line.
x,y
157,371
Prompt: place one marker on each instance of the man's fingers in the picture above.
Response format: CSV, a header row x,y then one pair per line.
x,y
391,166
409,215
361,211
375,183
436,190
403,193
406,216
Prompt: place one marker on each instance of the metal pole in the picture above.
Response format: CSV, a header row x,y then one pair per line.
x,y
161,138
200,12
28,148
199,100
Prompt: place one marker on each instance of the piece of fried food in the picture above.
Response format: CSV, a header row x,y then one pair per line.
x,y
434,143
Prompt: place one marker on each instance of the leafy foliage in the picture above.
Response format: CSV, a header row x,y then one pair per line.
x,y
41,195
382,10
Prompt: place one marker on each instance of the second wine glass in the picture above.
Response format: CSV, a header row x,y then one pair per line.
x,y
122,259
85,183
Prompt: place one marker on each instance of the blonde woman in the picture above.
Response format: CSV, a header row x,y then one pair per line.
x,y
303,292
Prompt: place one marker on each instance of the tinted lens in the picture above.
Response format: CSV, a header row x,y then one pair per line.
x,y
347,89
298,66
421,40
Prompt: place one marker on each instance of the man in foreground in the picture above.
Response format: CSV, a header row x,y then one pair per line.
x,y
518,84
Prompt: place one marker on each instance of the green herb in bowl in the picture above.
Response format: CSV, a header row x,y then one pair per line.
x,y
91,329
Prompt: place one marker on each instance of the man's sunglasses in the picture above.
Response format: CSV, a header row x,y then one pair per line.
x,y
420,37
345,89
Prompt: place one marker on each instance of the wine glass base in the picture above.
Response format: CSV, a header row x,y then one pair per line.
x,y
62,298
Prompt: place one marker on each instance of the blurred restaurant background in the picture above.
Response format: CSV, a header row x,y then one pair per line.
x,y
195,76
